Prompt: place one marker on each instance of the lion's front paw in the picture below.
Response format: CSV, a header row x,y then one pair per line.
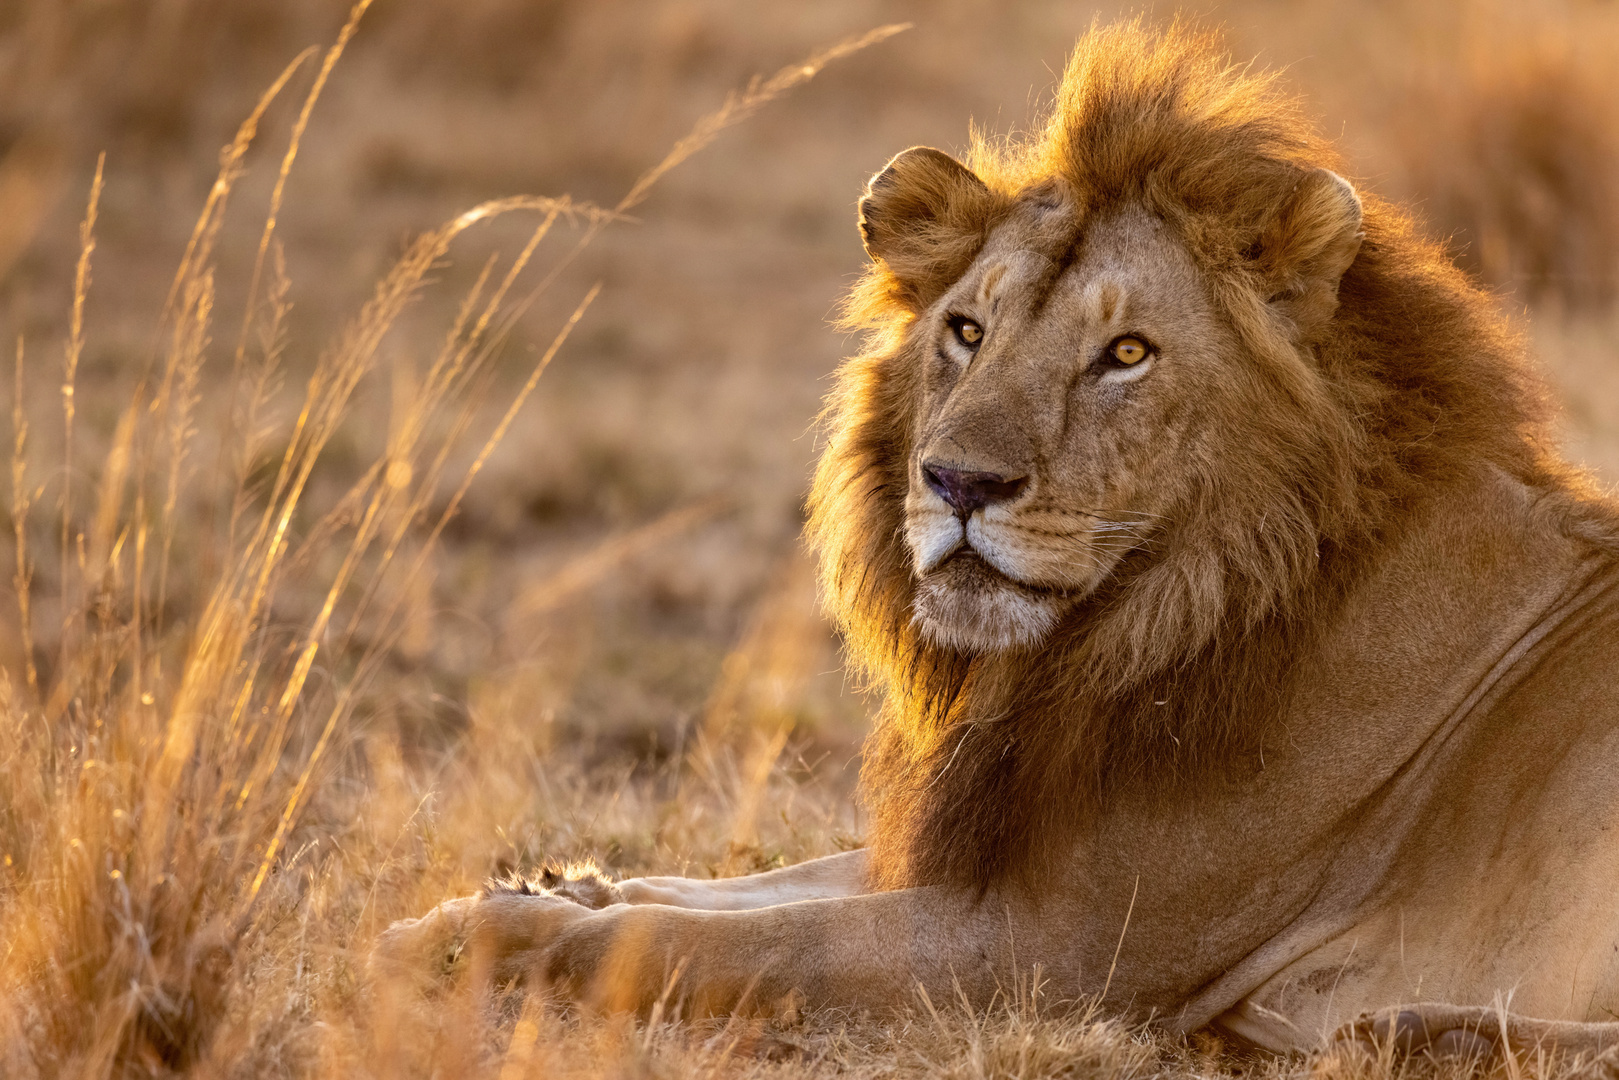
x,y
426,948
496,936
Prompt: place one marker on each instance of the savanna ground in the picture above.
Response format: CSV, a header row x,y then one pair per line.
x,y
319,616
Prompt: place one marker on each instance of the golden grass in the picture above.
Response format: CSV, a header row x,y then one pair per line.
x,y
158,780
216,787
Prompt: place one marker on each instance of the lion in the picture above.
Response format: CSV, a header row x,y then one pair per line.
x,y
1248,654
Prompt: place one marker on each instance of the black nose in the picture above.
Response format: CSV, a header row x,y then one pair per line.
x,y
969,491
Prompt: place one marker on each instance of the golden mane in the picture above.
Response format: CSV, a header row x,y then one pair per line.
x,y
980,763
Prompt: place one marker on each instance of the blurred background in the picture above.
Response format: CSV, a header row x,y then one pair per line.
x,y
565,591
614,650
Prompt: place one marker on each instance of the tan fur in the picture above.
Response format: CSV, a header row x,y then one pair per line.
x,y
1262,682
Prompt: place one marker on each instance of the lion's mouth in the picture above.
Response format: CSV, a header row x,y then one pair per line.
x,y
965,568
974,554
966,602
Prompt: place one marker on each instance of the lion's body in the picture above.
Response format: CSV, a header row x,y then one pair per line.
x,y
1478,864
1247,658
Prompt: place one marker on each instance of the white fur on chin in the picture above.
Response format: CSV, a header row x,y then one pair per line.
x,y
982,619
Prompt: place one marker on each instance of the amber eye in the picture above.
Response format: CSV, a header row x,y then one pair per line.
x,y
968,332
1129,350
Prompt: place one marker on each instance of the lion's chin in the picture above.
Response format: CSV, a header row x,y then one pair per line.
x,y
967,604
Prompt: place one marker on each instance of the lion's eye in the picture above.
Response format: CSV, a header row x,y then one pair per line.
x,y
1129,350
968,332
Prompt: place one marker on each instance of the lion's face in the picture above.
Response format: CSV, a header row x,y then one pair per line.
x,y
1056,411
1074,388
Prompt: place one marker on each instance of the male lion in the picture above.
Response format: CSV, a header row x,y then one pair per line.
x,y
1248,657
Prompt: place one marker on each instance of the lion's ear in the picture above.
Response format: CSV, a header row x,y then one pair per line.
x,y
1305,247
925,217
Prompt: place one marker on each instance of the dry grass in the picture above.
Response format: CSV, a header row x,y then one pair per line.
x,y
324,614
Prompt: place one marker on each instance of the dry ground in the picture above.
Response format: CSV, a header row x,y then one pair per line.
x,y
273,675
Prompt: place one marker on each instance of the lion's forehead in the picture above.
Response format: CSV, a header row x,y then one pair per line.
x,y
1104,271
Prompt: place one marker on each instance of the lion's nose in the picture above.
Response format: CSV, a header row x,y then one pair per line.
x,y
968,491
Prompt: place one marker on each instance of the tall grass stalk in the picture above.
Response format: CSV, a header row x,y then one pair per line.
x,y
70,372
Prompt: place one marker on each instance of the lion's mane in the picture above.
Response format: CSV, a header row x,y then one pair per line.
x,y
981,765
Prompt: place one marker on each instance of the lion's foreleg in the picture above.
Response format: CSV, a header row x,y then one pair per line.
x,y
864,952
